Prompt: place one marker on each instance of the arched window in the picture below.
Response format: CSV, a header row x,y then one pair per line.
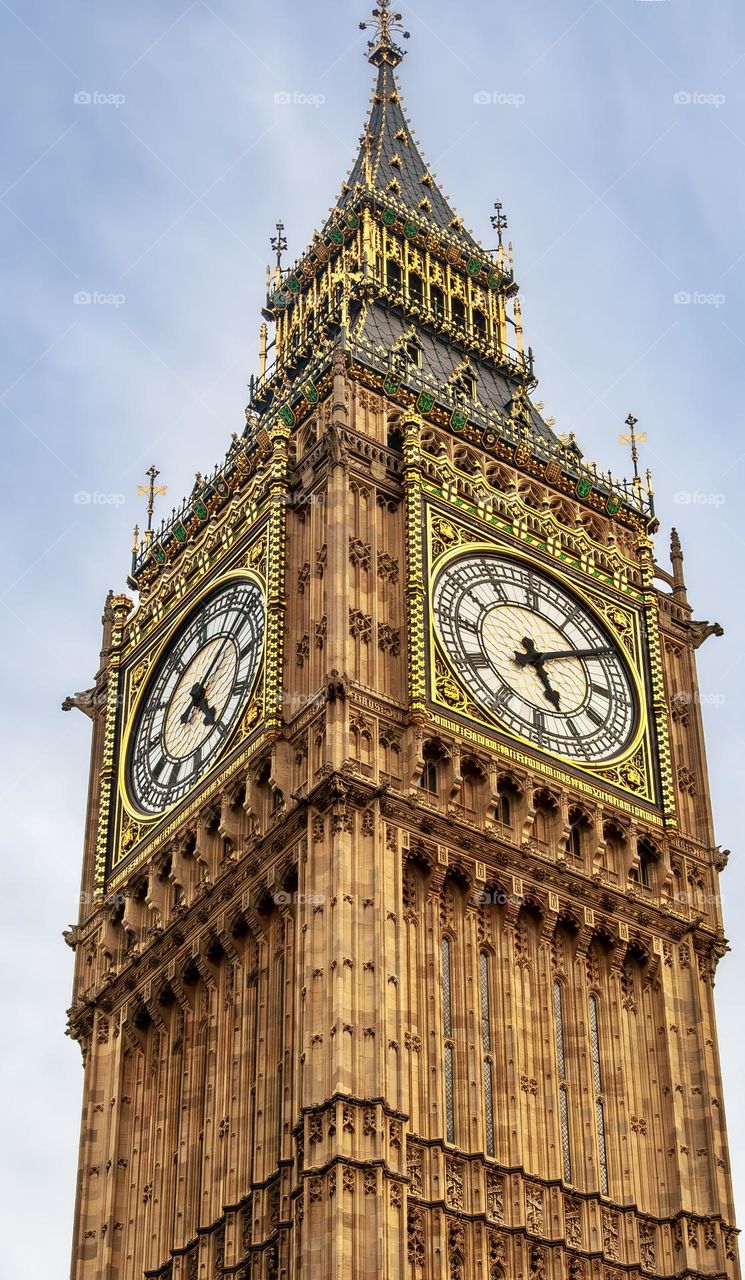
x,y
268,799
433,756
647,864
566,1152
428,780
458,313
416,287
437,301
597,1084
578,826
393,274
543,825
479,324
447,1031
506,808
474,788
486,1046
615,849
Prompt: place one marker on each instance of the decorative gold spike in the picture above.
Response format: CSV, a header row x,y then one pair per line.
x,y
263,339
151,491
634,438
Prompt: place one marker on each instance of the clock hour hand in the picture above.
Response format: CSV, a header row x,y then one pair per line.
x,y
550,693
533,658
199,703
199,694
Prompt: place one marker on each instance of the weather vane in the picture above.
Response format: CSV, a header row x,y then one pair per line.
x,y
151,491
634,438
386,24
279,244
499,221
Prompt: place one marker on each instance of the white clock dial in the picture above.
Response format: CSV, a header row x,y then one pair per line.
x,y
196,696
534,656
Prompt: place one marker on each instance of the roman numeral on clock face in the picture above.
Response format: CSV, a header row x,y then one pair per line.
x,y
478,660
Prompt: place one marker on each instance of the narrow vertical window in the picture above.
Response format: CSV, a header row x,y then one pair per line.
x,y
486,1045
447,1030
597,1084
566,1152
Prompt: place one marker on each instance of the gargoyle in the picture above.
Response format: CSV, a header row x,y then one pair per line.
x,y
85,702
700,631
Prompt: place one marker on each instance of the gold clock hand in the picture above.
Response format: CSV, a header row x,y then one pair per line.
x,y
576,653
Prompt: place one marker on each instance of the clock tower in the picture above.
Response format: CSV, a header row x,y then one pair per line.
x,y
400,912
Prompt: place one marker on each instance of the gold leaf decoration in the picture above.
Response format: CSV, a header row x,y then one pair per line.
x,y
139,673
257,555
131,832
252,716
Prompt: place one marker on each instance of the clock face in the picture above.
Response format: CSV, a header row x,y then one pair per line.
x,y
196,696
535,657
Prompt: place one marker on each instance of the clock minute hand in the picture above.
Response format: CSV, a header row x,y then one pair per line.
x,y
576,653
199,694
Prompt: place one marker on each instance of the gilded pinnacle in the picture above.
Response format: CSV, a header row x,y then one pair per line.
x,y
382,47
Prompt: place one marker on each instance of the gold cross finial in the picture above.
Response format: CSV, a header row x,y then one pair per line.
x,y
151,491
386,23
634,438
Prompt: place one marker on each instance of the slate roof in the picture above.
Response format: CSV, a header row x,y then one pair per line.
x,y
440,360
388,136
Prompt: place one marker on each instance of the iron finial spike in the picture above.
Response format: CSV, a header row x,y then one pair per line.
x,y
499,221
279,243
151,491
634,438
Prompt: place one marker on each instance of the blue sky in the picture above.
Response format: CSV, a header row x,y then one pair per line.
x,y
615,138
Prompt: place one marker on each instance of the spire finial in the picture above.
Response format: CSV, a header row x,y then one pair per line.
x,y
382,47
279,244
634,438
499,221
151,491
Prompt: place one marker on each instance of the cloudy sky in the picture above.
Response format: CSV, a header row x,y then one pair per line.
x,y
148,152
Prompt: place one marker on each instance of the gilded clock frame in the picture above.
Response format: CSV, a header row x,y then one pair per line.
x,y
437,653
158,653
641,783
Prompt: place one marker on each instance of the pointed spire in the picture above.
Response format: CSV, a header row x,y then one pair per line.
x,y
389,162
676,558
382,48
